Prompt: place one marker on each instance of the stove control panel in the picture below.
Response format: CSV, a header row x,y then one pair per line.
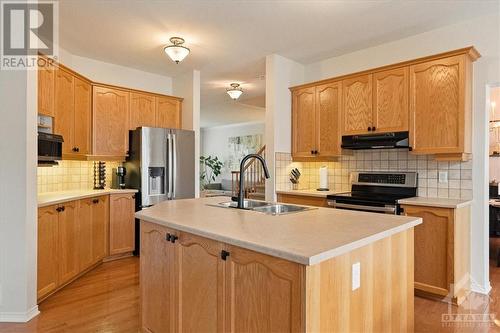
x,y
381,178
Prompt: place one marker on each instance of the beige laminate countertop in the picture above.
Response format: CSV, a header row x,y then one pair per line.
x,y
54,198
307,237
309,193
435,202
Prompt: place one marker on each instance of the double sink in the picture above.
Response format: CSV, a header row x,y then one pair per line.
x,y
269,208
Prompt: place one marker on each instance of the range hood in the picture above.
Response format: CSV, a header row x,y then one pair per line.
x,y
376,141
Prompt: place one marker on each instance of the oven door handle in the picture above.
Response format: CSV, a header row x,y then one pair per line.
x,y
363,207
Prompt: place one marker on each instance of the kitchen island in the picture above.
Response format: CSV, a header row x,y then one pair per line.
x,y
207,268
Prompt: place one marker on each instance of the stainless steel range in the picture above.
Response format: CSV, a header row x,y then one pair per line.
x,y
376,191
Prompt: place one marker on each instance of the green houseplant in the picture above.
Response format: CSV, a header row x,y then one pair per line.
x,y
210,169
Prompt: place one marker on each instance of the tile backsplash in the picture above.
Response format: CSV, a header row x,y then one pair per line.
x,y
459,184
71,175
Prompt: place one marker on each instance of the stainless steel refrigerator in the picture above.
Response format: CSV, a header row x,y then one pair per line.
x,y
160,165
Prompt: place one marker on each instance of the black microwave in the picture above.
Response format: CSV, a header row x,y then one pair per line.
x,y
49,148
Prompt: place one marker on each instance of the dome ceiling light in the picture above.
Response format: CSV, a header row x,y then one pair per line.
x,y
235,91
176,51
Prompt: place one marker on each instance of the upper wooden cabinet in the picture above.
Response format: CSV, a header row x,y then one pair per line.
x,y
65,108
168,112
82,118
46,77
440,95
142,110
390,100
303,122
357,112
121,223
110,121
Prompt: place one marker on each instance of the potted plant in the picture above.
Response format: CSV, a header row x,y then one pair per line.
x,y
209,171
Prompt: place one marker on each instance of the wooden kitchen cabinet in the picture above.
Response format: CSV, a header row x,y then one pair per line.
x,y
442,246
357,112
64,109
390,100
68,241
46,87
168,112
110,113
100,225
85,235
259,285
82,117
302,200
121,223
48,250
303,122
440,94
142,110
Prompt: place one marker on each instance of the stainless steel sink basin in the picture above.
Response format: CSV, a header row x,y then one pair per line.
x,y
278,209
247,204
265,207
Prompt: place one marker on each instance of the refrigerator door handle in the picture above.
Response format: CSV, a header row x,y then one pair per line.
x,y
169,166
174,162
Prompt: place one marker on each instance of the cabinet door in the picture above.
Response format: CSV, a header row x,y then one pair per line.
x,y
83,109
390,100
437,90
328,107
357,110
100,219
68,241
142,110
110,121
121,223
64,109
156,276
199,284
48,252
433,249
303,122
85,236
263,293
168,112
46,90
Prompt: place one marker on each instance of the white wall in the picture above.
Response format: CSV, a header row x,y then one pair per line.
x,y
230,112
483,33
18,200
281,73
188,87
214,141
104,72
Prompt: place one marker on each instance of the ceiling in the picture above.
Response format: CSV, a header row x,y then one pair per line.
x,y
230,39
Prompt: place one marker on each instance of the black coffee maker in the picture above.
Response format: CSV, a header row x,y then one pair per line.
x,y
119,177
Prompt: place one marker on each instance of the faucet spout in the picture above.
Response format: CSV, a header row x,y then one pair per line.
x,y
241,195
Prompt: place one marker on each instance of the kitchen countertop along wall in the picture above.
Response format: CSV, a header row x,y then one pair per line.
x,y
54,198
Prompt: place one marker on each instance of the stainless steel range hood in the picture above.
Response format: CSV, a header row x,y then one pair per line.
x,y
391,140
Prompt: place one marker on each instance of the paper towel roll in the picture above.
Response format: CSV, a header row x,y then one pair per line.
x,y
323,178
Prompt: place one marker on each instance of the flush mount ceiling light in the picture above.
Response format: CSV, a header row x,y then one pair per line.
x,y
235,91
176,51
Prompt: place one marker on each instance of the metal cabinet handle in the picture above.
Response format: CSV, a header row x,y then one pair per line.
x,y
224,254
95,201
173,238
168,237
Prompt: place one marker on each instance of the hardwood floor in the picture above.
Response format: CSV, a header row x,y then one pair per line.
x,y
107,300
104,300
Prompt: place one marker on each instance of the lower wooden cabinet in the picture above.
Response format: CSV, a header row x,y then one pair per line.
x,y
121,223
47,271
442,246
189,285
302,200
72,237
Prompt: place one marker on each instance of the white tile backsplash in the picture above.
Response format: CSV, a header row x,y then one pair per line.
x,y
459,184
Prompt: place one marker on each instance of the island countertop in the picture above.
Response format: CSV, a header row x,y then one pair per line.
x,y
307,237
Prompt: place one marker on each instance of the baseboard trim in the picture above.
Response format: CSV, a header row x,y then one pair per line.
x,y
19,317
477,288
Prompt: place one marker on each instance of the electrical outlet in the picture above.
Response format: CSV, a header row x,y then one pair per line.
x,y
356,276
443,176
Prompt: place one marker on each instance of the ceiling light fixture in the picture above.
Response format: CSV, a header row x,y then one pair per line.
x,y
176,51
235,91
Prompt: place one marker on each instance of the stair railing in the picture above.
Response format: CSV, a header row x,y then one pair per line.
x,y
254,175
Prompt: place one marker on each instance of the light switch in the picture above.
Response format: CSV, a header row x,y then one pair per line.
x,y
356,276
443,176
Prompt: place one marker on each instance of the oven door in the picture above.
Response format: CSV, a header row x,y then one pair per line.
x,y
365,207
